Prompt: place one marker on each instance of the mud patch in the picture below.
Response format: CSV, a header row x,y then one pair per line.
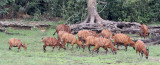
x,y
119,61
108,63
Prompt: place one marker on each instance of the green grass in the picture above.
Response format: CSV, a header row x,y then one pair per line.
x,y
35,55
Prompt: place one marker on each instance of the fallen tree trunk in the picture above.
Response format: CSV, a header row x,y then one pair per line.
x,y
2,29
14,33
116,27
21,26
151,41
111,25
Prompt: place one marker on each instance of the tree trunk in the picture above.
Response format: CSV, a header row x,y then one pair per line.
x,y
95,23
93,16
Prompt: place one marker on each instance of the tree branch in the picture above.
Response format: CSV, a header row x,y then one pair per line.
x,y
102,2
68,19
102,9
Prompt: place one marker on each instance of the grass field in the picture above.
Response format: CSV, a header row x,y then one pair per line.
x,y
35,55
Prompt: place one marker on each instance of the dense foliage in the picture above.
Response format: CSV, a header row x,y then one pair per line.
x,y
142,11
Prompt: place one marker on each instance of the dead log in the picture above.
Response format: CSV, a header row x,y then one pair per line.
x,y
116,27
154,26
22,25
151,41
113,26
2,29
8,33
